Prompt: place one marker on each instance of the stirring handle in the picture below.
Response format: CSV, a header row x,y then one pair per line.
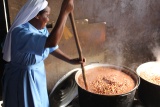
x,y
78,47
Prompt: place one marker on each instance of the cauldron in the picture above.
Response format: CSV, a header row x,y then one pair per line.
x,y
148,92
89,99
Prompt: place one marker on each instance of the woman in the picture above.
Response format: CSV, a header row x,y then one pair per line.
x,y
27,44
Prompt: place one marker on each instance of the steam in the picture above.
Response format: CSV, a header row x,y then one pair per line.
x,y
156,53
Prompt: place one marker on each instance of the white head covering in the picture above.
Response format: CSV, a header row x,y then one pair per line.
x,y
27,12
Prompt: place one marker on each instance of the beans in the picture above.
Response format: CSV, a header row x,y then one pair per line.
x,y
108,86
107,81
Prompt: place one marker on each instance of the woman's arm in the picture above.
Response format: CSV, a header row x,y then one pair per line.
x,y
59,54
57,32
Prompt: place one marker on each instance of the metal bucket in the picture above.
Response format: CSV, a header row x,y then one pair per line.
x,y
88,99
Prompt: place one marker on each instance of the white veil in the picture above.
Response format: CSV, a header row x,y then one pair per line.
x,y
27,12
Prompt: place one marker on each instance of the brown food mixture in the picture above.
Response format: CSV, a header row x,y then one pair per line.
x,y
107,81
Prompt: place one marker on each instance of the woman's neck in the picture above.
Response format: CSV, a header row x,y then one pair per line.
x,y
34,22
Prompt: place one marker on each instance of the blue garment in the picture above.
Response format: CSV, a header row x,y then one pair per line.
x,y
24,79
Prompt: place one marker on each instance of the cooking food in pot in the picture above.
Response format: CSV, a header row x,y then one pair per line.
x,y
152,77
150,72
107,81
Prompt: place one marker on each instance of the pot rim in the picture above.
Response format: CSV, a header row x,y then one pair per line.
x,y
108,65
145,65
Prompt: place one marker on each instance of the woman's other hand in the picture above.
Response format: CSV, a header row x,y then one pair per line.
x,y
78,61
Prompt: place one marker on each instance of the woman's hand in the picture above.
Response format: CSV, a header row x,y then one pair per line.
x,y
78,61
67,6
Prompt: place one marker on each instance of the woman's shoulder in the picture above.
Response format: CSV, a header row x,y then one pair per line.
x,y
22,27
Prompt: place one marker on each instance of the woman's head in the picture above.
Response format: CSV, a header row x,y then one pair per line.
x,y
25,14
41,19
43,16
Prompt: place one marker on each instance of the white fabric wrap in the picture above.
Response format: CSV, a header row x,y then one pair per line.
x,y
27,12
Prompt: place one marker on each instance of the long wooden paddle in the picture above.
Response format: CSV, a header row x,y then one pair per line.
x,y
71,15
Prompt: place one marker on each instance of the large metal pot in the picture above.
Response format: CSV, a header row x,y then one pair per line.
x,y
148,92
88,99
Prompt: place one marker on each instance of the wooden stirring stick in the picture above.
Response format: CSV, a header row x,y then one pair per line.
x,y
78,47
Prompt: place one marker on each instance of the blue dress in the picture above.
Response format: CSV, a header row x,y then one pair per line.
x,y
24,79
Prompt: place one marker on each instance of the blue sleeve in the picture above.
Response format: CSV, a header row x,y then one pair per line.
x,y
28,42
53,49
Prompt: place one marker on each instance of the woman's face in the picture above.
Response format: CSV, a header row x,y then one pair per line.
x,y
43,17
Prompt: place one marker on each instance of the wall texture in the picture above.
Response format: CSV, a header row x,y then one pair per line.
x,y
129,36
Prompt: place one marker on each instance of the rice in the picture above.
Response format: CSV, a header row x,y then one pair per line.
x,y
151,73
